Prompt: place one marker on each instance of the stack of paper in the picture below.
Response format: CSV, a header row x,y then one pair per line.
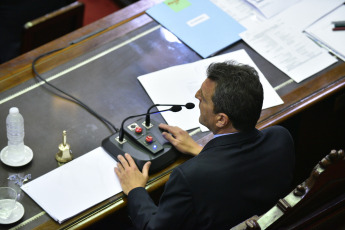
x,y
178,85
281,41
322,32
75,186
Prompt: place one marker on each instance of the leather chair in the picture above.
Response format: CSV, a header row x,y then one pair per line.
x,y
317,203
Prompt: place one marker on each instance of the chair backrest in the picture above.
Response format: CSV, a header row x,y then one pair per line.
x,y
317,203
51,26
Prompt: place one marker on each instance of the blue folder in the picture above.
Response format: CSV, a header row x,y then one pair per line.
x,y
200,24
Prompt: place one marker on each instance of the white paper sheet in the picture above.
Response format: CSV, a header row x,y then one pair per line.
x,y
299,15
281,41
289,50
306,12
178,85
270,8
242,11
75,186
322,32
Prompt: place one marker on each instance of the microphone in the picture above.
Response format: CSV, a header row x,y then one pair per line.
x,y
174,108
189,105
145,145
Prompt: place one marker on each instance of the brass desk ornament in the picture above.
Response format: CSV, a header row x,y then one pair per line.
x,y
65,153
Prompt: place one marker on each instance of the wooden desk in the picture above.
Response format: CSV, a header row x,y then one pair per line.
x,y
109,85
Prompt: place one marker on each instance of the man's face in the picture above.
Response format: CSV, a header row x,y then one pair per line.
x,y
204,95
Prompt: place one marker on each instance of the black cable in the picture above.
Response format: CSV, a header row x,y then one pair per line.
x,y
70,97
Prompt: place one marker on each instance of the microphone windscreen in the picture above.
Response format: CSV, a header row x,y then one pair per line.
x,y
190,105
176,108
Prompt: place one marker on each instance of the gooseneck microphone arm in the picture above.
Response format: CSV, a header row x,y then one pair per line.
x,y
147,119
174,108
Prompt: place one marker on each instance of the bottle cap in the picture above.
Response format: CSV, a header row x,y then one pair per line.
x,y
14,110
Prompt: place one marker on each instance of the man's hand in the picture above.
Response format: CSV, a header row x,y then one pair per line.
x,y
129,175
180,139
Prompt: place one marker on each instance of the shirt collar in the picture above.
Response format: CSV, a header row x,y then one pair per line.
x,y
223,134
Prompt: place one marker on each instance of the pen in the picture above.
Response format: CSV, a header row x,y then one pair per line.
x,y
339,28
339,23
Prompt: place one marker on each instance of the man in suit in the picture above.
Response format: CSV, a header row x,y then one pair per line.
x,y
241,172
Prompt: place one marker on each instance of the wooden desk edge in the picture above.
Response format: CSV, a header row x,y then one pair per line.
x,y
107,207
279,114
116,205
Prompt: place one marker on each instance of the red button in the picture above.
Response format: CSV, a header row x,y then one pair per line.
x,y
149,139
138,129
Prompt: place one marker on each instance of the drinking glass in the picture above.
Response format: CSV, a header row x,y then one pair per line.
x,y
8,197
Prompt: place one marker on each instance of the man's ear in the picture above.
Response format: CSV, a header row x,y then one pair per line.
x,y
222,120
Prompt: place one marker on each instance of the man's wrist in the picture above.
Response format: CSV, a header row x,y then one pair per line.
x,y
135,188
196,150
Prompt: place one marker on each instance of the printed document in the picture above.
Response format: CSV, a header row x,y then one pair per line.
x,y
241,11
321,31
281,41
269,8
289,50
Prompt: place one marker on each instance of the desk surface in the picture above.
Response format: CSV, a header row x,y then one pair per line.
x,y
130,45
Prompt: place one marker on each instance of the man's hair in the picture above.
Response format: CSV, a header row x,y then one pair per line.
x,y
238,93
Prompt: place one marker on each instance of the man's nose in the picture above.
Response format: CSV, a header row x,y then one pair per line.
x,y
197,95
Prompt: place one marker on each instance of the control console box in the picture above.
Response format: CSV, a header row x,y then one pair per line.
x,y
143,143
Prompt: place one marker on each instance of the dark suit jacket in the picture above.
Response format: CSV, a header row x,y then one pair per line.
x,y
233,178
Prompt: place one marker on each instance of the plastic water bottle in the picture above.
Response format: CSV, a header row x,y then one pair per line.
x,y
15,135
